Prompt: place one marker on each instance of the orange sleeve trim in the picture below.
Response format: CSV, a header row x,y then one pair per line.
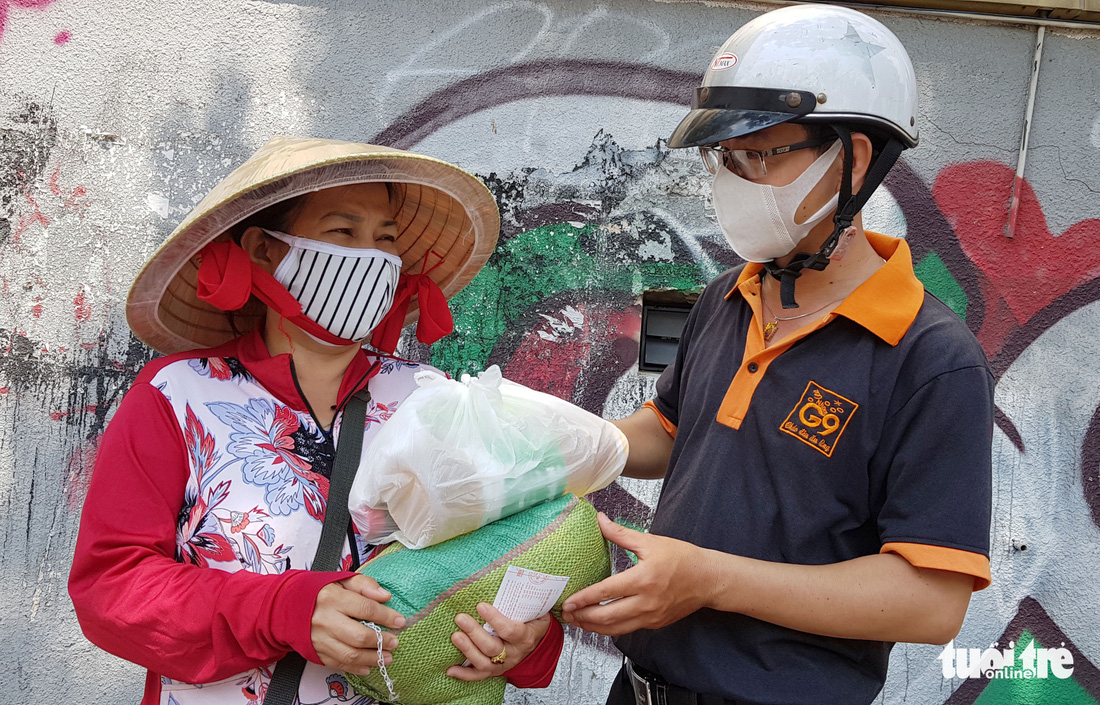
x,y
923,555
665,423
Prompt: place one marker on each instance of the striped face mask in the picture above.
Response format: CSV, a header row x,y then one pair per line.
x,y
345,290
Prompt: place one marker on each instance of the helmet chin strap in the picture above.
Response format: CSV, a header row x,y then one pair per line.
x,y
846,211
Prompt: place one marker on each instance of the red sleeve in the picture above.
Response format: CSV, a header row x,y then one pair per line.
x,y
537,670
136,601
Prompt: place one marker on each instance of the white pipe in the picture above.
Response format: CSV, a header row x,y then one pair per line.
x,y
984,17
947,14
1017,182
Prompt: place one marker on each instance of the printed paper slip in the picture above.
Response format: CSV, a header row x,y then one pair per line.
x,y
526,594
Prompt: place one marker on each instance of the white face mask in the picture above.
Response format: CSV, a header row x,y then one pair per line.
x,y
345,290
758,219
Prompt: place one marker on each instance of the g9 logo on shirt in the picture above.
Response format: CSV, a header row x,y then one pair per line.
x,y
815,413
818,415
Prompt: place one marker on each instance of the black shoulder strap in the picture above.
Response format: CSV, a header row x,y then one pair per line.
x,y
283,689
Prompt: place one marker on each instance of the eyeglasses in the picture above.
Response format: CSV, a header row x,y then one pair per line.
x,y
750,163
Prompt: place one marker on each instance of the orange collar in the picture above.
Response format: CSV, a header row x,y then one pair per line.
x,y
886,304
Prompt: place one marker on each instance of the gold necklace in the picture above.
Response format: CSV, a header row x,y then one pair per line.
x,y
770,328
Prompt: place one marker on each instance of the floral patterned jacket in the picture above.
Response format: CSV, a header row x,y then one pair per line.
x,y
202,519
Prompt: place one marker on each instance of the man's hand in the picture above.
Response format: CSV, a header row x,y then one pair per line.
x,y
881,597
342,642
666,585
516,640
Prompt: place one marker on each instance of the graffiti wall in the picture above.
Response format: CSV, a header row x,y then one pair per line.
x,y
114,121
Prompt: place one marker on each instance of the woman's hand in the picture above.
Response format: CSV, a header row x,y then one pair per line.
x,y
514,639
342,642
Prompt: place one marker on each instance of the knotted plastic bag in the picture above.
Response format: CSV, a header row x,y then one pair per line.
x,y
457,455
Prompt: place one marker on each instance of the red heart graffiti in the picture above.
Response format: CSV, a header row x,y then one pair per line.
x,y
1035,267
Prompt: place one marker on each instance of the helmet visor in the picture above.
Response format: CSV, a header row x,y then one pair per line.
x,y
721,112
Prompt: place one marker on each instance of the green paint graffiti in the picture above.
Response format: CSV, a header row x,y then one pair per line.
x,y
933,273
534,266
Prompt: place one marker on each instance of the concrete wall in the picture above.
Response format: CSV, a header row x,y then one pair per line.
x,y
115,118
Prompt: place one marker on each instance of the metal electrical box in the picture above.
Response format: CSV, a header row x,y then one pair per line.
x,y
664,314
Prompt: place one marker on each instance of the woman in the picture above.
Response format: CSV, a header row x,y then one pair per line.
x,y
209,491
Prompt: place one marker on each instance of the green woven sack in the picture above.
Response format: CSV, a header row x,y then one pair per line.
x,y
431,585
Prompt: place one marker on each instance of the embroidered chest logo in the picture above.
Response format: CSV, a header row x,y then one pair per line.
x,y
819,418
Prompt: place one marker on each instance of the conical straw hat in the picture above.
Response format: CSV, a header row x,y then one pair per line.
x,y
442,209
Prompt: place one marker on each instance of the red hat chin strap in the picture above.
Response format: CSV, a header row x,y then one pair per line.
x,y
435,315
228,276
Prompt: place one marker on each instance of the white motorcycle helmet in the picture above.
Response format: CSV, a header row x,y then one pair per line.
x,y
810,64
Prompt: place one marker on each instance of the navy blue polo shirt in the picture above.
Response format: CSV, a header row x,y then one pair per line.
x,y
869,432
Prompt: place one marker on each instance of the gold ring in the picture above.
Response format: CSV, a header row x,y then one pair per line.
x,y
499,658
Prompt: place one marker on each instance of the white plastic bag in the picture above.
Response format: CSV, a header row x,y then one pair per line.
x,y
457,455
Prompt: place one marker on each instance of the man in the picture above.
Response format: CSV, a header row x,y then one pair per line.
x,y
825,430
